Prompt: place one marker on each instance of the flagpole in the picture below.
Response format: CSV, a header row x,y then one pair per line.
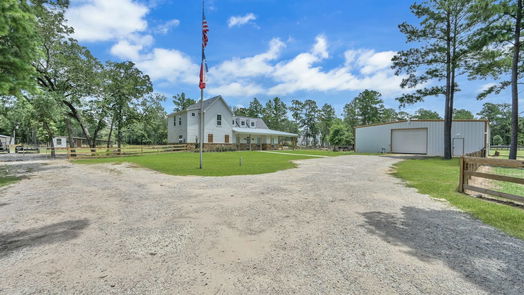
x,y
201,129
201,124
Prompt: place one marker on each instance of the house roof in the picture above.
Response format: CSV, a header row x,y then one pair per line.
x,y
259,131
405,121
207,103
259,123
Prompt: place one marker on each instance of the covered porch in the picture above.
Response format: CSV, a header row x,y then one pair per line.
x,y
262,139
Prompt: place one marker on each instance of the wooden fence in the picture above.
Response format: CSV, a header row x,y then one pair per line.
x,y
104,152
504,177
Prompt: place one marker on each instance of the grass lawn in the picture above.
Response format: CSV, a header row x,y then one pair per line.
x,y
439,179
509,187
215,164
6,179
504,153
316,152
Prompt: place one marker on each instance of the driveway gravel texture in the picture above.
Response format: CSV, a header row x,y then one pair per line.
x,y
340,225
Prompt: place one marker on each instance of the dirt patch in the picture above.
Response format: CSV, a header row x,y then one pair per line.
x,y
331,226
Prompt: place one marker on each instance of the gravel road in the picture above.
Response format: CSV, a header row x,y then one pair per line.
x,y
338,225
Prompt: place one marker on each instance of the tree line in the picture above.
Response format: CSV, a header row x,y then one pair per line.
x,y
477,39
51,85
320,125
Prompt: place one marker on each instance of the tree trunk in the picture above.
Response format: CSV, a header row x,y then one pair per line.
x,y
95,133
119,131
69,132
74,114
50,135
447,118
110,133
514,85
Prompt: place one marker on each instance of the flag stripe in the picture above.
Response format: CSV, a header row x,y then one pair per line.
x,y
203,65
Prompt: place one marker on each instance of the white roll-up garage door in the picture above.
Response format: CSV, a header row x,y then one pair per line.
x,y
409,141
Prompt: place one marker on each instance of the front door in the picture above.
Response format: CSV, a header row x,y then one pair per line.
x,y
458,147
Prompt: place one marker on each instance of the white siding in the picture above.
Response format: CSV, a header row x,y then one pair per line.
x,y
211,127
174,131
192,126
375,139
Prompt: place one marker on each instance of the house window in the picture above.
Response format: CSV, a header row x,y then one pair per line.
x,y
226,138
180,139
243,123
192,114
219,120
210,138
58,141
174,121
252,124
233,123
179,121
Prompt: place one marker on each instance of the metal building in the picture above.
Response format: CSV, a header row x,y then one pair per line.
x,y
424,137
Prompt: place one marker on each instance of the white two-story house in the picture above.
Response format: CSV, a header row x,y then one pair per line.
x,y
221,126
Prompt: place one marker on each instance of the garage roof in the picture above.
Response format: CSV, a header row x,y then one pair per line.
x,y
404,121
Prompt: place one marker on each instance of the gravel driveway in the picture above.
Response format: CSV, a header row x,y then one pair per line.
x,y
338,225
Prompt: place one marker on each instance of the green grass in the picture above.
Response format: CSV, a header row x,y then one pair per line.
x,y
328,153
215,164
509,187
439,179
504,153
317,152
6,179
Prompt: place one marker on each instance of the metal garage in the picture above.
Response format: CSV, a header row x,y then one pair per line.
x,y
409,141
422,137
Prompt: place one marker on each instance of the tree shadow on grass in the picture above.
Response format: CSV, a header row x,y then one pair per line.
x,y
483,255
49,234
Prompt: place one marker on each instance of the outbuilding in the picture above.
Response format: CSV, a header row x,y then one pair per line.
x,y
425,137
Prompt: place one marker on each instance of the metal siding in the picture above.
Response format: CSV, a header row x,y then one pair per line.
x,y
409,141
373,138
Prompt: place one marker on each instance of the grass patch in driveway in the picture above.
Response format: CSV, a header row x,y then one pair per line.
x,y
215,164
6,179
439,179
325,153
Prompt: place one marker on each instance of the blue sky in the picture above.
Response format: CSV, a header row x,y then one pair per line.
x,y
326,50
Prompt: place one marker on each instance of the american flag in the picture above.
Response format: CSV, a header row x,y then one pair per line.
x,y
203,66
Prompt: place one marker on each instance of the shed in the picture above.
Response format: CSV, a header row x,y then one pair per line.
x,y
425,137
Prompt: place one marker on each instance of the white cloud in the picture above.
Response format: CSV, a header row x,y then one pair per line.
x,y
320,48
237,89
486,87
241,20
130,48
165,27
362,69
257,65
169,65
103,20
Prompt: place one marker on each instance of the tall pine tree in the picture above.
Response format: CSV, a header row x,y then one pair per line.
x,y
442,40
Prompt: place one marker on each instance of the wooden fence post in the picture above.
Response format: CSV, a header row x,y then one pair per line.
x,y
461,180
